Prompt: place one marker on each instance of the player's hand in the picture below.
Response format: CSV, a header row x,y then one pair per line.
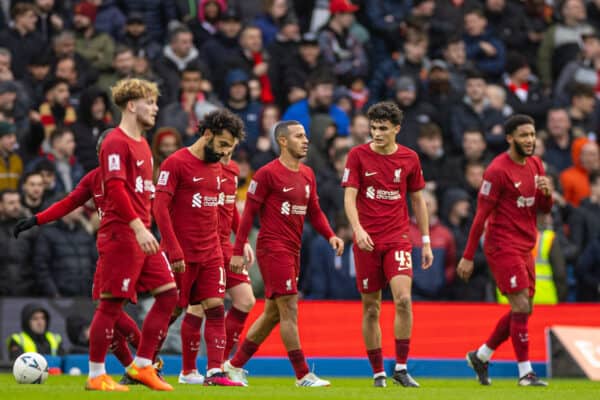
x,y
426,256
363,240
544,184
24,224
248,254
338,245
147,241
464,269
236,265
178,266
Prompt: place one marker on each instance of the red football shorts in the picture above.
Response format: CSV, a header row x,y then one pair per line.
x,y
374,269
125,269
200,282
513,271
233,279
280,271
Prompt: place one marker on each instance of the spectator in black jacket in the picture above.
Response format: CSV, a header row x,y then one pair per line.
x,y
78,331
157,15
138,39
15,254
584,221
588,273
507,19
434,162
65,257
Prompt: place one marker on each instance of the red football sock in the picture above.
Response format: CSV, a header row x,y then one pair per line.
x,y
234,325
500,333
402,346
162,340
120,349
214,334
244,353
298,363
102,328
376,360
127,328
156,323
190,341
519,335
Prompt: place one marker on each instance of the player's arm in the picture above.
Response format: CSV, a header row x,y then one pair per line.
x,y
161,210
235,224
545,189
363,240
321,224
251,209
420,210
465,265
78,197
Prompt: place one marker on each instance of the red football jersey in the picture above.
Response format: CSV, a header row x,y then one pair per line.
x,y
195,186
286,197
382,182
229,181
90,186
512,189
122,157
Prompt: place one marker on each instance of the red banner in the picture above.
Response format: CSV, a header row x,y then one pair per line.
x,y
440,330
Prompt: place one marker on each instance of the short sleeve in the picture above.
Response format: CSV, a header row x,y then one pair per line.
x,y
114,159
168,177
259,187
351,176
491,187
415,180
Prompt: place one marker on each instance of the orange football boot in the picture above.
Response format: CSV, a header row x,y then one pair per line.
x,y
148,376
104,383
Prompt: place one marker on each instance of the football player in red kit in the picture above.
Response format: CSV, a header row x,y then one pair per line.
x,y
282,193
129,255
514,189
377,178
186,209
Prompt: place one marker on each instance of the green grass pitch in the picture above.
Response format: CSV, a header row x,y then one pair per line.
x,y
71,388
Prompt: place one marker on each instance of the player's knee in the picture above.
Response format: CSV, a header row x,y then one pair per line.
x,y
402,304
372,311
245,304
272,317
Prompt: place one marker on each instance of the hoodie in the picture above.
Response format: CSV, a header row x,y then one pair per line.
x,y
42,345
575,180
76,326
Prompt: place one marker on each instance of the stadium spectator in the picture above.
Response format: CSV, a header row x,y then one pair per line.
x,y
433,283
96,47
474,149
63,46
575,180
56,112
340,46
359,132
386,20
332,276
320,87
238,100
323,131
588,273
561,41
64,257
584,111
473,177
65,69
32,188
203,20
416,112
136,38
165,142
584,221
455,56
93,118
508,20
110,19
38,73
593,13
123,62
270,22
482,45
47,170
265,145
435,163
11,164
475,112
78,332
15,254
52,18
35,335
496,95
157,15
22,39
559,141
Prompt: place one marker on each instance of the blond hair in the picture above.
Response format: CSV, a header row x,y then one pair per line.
x,y
126,90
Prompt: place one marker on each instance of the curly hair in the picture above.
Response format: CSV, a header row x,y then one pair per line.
x,y
126,90
385,111
515,121
222,119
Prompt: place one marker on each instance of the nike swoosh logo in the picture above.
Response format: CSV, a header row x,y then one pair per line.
x,y
98,195
370,173
139,162
517,184
223,180
287,189
197,179
221,290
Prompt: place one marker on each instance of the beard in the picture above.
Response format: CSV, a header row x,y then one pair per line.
x,y
210,155
521,151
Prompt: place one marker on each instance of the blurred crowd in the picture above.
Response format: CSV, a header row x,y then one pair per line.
x,y
457,69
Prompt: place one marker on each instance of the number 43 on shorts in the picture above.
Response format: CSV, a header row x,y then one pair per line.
x,y
404,259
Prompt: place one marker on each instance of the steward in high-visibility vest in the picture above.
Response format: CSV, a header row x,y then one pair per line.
x,y
35,335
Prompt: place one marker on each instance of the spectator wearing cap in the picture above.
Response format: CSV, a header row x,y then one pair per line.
x,y
475,111
281,50
270,21
299,67
22,39
178,54
11,165
238,101
136,38
339,45
157,15
508,19
416,112
412,62
584,70
485,50
385,20
575,180
524,94
584,111
204,21
52,18
38,73
561,41
320,86
96,47
109,18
